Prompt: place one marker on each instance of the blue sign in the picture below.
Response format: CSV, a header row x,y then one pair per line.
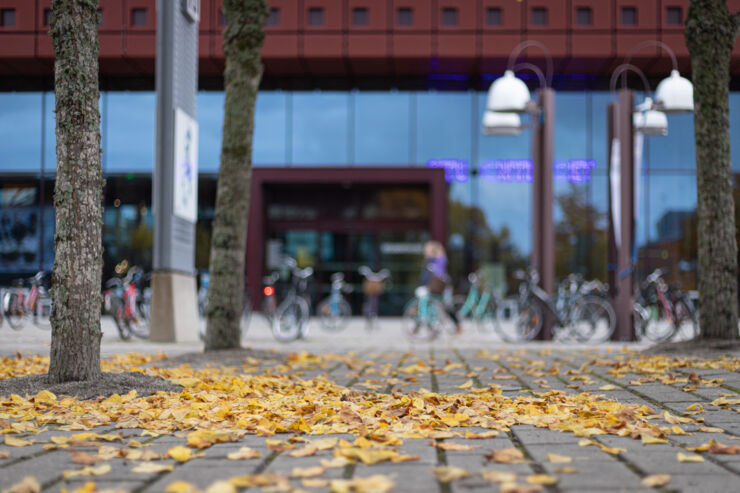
x,y
455,169
573,170
507,170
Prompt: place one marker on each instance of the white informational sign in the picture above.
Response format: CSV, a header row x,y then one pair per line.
x,y
192,9
185,191
637,177
615,180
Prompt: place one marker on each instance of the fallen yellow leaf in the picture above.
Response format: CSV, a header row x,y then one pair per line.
x,y
689,458
555,458
181,487
16,442
656,480
498,476
88,471
506,456
566,470
466,385
28,485
243,454
151,467
221,487
372,484
479,436
607,387
367,456
306,472
649,439
445,474
180,453
542,479
451,446
314,483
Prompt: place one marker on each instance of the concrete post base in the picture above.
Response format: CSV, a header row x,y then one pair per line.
x,y
174,315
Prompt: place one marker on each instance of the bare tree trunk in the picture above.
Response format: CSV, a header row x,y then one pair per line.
x,y
710,35
75,317
243,38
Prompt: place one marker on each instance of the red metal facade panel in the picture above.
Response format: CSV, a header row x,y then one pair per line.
x,y
407,45
317,45
150,6
556,44
25,15
511,15
277,45
289,12
456,45
466,15
647,14
367,46
589,45
422,15
332,13
664,5
557,14
602,18
377,15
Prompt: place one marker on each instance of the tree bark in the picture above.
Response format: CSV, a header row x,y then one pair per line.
x,y
710,35
75,316
243,38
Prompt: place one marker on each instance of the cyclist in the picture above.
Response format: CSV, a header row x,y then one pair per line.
x,y
434,275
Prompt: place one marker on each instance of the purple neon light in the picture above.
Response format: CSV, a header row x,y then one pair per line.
x,y
514,170
455,169
507,170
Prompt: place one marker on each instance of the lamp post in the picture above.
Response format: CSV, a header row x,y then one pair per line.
x,y
627,125
509,96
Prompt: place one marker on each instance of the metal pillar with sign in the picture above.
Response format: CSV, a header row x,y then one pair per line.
x,y
174,315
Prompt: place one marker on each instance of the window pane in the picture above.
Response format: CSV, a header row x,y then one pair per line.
x,y
274,18
20,130
7,17
210,129
270,128
539,16
676,150
443,125
320,128
493,16
735,129
629,16
673,16
405,17
138,17
130,131
583,16
449,17
382,129
316,17
359,17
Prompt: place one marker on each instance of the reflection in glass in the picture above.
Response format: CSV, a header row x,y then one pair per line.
x,y
382,129
444,125
20,131
130,132
320,128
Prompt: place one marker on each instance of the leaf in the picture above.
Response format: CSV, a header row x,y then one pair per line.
x,y
451,446
445,474
555,458
519,488
607,387
181,487
45,397
278,445
306,472
377,483
324,443
206,438
566,470
479,436
542,479
506,456
16,442
314,483
710,429
221,487
28,485
88,471
656,480
466,385
367,456
689,458
80,457
151,467
498,476
650,440
4,454
336,462
243,453
180,453
611,450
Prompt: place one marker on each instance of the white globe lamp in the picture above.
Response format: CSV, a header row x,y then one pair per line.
x,y
508,94
496,123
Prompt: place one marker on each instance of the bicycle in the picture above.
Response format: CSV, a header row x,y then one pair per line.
x,y
333,311
292,316
373,285
269,301
480,305
113,305
36,301
660,311
575,315
425,317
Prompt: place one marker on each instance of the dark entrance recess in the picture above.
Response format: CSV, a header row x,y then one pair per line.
x,y
337,219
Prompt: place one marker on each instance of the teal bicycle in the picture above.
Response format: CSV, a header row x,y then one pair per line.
x,y
480,305
425,317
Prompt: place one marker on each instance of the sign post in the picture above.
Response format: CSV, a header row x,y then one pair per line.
x,y
174,315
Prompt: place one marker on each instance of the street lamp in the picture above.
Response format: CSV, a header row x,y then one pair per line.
x,y
674,94
508,97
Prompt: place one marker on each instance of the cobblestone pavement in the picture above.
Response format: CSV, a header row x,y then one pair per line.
x,y
452,366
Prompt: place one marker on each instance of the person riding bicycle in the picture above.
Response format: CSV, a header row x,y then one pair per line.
x,y
434,275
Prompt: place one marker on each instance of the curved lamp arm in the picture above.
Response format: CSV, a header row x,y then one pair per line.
x,y
532,68
627,67
653,42
526,44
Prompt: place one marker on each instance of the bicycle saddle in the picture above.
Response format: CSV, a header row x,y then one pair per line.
x,y
473,278
271,279
115,281
303,273
367,273
337,276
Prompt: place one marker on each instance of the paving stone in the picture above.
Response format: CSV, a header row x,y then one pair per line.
x,y
530,435
101,484
44,468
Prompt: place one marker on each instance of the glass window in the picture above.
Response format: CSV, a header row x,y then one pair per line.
x,y
138,17
571,125
100,17
494,16
734,129
320,126
270,129
222,19
7,17
676,150
443,125
584,16
405,16
210,114
130,132
673,16
273,19
629,16
359,16
539,16
449,16
316,16
47,17
382,127
20,130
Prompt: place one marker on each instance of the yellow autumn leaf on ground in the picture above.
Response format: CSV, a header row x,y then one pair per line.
x,y
88,471
479,436
607,387
451,446
371,484
16,442
542,479
585,442
555,458
243,454
650,440
306,472
278,445
566,470
710,429
221,487
88,487
519,488
611,450
506,456
181,487
336,462
498,476
324,443
466,385
367,456
80,457
4,454
151,467
180,453
28,485
314,483
689,458
445,474
45,397
656,480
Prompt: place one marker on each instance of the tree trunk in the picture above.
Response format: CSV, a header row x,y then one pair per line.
x,y
243,38
75,316
710,35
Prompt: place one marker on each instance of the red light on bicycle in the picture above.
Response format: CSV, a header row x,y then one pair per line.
x,y
269,290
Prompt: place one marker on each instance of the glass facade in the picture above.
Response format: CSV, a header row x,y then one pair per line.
x,y
489,212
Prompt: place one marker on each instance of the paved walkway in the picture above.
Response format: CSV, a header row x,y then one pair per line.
x,y
693,402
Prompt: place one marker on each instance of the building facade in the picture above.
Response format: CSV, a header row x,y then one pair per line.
x,y
360,102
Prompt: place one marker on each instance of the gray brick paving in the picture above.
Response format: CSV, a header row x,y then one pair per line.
x,y
541,369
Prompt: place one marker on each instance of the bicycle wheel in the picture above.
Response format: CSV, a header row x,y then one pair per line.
x,y
246,313
684,319
42,312
14,310
333,318
528,322
415,324
124,331
659,325
138,322
290,320
488,321
594,320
